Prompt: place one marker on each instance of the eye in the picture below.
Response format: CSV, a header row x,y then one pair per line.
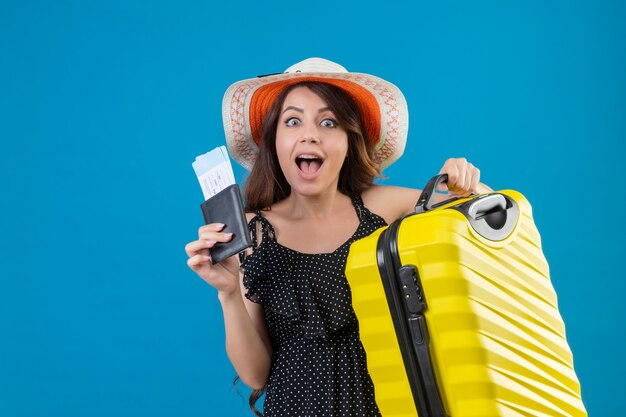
x,y
292,121
328,123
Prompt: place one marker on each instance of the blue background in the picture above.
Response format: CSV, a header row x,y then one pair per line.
x,y
104,105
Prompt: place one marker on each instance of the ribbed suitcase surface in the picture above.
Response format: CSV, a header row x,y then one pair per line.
x,y
496,337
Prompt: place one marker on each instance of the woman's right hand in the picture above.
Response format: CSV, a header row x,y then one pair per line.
x,y
224,276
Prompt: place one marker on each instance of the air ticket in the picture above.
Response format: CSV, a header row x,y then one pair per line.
x,y
214,171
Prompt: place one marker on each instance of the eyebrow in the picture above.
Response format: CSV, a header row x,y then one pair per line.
x,y
298,109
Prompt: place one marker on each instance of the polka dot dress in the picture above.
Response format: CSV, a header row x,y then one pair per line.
x,y
318,362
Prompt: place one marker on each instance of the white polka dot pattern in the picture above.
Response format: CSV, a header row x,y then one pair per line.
x,y
318,362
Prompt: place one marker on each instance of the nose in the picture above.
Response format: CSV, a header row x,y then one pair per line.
x,y
311,138
310,133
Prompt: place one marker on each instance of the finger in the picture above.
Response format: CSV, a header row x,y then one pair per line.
x,y
195,247
452,170
463,181
455,181
216,236
443,187
198,260
466,184
475,179
213,227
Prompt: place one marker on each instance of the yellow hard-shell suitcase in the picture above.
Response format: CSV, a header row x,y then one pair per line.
x,y
457,313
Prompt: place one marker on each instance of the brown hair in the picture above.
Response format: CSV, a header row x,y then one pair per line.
x,y
267,184
254,397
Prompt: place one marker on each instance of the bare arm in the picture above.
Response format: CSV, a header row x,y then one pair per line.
x,y
247,341
394,202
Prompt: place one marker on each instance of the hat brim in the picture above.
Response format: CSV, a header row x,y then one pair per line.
x,y
382,106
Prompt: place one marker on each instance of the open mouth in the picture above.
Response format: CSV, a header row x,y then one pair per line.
x,y
309,164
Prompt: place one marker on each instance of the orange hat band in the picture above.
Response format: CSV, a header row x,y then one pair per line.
x,y
264,96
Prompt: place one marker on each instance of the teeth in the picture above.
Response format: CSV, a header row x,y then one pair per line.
x,y
308,157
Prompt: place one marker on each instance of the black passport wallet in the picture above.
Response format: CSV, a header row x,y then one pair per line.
x,y
227,207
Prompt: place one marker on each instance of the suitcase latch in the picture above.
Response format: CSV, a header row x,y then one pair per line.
x,y
412,289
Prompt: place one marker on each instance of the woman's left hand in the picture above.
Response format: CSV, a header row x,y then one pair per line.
x,y
463,177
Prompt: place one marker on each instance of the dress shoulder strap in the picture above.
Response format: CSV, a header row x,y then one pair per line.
x,y
357,201
259,226
364,213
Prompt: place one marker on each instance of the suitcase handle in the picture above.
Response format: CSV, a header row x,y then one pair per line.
x,y
481,207
493,216
426,198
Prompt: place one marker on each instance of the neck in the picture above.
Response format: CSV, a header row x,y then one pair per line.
x,y
317,207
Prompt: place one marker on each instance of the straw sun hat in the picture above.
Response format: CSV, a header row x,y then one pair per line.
x,y
382,106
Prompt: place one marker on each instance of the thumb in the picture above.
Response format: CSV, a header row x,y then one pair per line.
x,y
443,187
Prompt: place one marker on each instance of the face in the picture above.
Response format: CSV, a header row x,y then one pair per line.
x,y
310,145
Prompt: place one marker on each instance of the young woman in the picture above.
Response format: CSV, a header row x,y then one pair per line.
x,y
322,135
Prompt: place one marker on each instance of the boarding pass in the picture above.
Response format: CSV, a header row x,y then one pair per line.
x,y
214,171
